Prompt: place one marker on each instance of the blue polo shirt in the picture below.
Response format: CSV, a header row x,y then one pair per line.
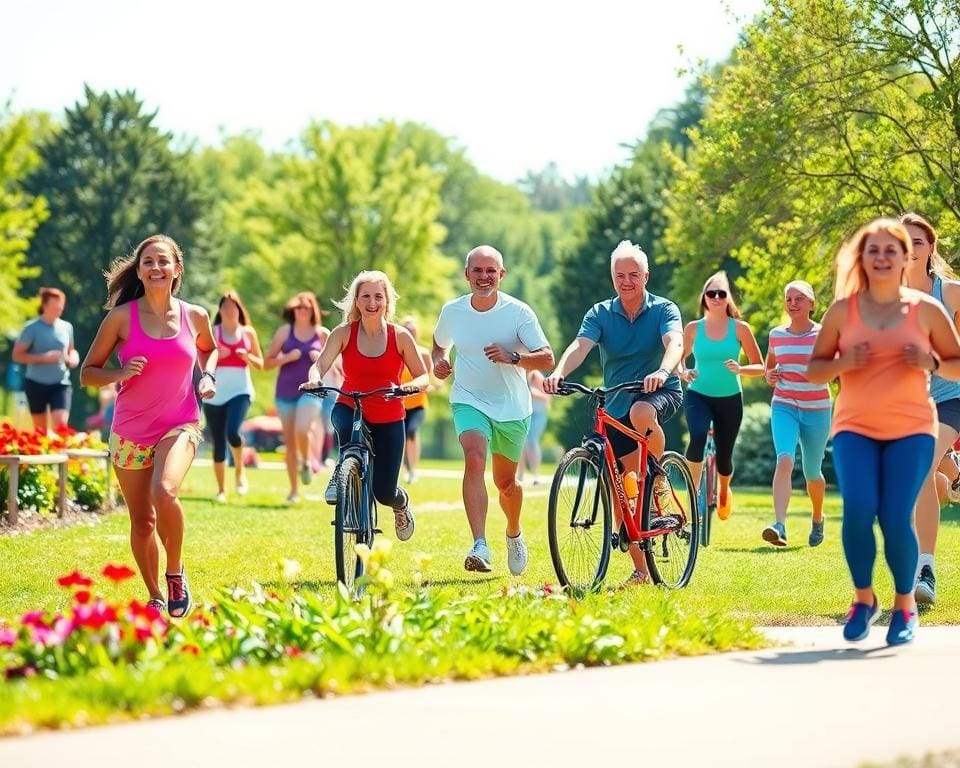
x,y
630,350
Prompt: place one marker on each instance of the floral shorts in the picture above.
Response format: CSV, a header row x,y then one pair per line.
x,y
126,454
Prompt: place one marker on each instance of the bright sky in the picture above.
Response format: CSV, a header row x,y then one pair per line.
x,y
519,83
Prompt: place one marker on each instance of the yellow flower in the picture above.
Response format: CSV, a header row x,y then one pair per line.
x,y
363,552
422,560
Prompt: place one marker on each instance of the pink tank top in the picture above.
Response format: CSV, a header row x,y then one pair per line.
x,y
162,397
887,399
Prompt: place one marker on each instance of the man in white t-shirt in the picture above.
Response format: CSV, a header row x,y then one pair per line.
x,y
498,339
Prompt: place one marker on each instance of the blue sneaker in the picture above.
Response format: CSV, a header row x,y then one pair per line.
x,y
859,619
775,534
903,627
178,594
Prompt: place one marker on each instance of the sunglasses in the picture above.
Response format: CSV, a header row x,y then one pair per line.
x,y
715,294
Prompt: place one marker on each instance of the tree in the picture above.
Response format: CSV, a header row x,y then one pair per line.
x,y
20,215
829,112
110,178
351,199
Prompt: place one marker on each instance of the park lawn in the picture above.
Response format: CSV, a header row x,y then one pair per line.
x,y
738,576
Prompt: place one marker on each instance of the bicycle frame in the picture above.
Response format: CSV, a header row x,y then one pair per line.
x,y
631,520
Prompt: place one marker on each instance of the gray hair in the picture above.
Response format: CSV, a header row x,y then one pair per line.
x,y
484,250
626,249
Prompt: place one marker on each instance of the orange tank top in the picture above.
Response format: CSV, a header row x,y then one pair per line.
x,y
887,399
418,400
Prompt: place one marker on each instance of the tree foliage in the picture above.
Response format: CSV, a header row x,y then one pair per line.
x,y
110,178
830,112
351,199
20,215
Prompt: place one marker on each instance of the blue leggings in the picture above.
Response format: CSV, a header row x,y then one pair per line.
x,y
880,479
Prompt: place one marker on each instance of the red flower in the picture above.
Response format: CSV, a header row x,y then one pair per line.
x,y
33,619
191,649
82,597
142,633
75,579
118,572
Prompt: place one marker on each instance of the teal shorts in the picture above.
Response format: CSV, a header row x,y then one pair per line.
x,y
506,438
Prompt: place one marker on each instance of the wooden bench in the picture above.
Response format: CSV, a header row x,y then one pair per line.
x,y
60,460
13,464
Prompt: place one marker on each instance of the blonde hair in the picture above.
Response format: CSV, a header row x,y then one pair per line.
x,y
851,277
720,277
348,304
936,264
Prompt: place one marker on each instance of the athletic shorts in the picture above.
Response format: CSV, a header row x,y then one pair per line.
x,y
506,438
56,397
414,421
948,412
288,405
666,402
126,454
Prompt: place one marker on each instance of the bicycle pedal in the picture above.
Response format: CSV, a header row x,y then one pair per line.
x,y
378,530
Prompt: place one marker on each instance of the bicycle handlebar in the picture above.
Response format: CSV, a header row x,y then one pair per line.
x,y
322,390
573,387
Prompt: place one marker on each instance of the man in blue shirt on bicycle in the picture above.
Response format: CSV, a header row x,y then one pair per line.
x,y
640,336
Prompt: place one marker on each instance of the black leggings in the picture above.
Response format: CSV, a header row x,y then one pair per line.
x,y
388,440
726,413
225,422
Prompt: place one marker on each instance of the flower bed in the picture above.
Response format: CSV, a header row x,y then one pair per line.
x,y
98,659
86,478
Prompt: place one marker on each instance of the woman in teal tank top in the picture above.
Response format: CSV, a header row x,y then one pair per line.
x,y
714,395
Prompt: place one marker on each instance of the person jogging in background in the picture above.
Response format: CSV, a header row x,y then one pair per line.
x,y
45,346
882,340
159,341
238,348
714,394
800,412
498,339
928,272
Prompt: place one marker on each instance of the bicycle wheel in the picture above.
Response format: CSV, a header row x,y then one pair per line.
x,y
710,485
579,523
349,528
704,508
671,556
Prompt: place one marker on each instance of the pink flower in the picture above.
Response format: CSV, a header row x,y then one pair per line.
x,y
8,637
33,619
75,579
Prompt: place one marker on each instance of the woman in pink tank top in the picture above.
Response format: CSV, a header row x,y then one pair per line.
x,y
882,340
158,340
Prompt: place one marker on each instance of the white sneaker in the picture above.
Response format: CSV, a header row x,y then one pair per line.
x,y
220,498
478,558
242,488
306,474
403,521
516,554
330,495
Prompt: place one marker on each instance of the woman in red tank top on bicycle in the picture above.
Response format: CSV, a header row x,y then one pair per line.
x,y
373,353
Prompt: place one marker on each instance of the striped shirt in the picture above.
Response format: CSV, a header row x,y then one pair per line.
x,y
791,352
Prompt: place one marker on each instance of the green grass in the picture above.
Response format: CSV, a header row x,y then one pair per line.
x,y
738,575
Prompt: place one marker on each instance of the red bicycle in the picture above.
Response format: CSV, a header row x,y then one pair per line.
x,y
588,487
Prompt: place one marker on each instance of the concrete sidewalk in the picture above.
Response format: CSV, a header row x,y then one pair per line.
x,y
819,702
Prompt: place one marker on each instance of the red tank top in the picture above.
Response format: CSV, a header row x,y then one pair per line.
x,y
228,351
362,374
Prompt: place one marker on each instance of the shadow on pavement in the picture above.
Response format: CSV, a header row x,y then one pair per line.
x,y
788,657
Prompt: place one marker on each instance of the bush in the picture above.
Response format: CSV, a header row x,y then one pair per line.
x,y
88,484
37,490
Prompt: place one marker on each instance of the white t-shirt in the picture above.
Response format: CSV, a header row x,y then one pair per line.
x,y
497,389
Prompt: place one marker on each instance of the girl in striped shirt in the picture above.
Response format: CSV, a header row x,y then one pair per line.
x,y
800,412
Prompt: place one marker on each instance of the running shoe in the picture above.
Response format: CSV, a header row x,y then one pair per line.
x,y
903,627
478,558
516,554
636,579
306,473
859,619
724,508
330,495
403,521
220,498
816,533
178,594
775,534
926,591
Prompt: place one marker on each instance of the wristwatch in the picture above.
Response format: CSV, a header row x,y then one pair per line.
x,y
515,358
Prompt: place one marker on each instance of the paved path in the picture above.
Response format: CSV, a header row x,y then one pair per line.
x,y
782,707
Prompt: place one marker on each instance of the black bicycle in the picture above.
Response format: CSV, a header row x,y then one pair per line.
x,y
355,513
